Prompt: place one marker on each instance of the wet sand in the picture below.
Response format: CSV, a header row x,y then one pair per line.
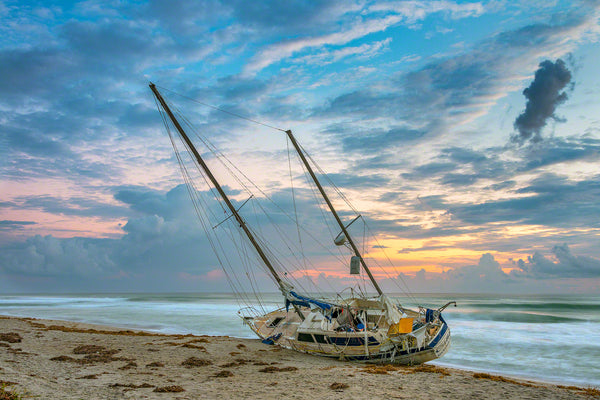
x,y
63,360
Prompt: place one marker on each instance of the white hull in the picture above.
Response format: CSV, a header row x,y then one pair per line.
x,y
371,345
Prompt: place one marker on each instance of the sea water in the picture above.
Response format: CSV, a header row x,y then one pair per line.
x,y
548,338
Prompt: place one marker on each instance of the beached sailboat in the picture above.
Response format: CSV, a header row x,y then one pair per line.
x,y
358,326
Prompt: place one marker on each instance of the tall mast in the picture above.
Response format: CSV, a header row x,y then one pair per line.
x,y
335,214
213,180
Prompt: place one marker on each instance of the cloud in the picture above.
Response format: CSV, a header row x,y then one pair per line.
x,y
162,243
44,256
161,238
282,50
364,51
550,200
7,224
451,90
291,16
543,96
486,276
414,11
565,265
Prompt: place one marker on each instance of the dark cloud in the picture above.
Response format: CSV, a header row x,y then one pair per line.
x,y
566,265
543,96
76,206
460,167
8,224
458,180
503,185
552,201
554,151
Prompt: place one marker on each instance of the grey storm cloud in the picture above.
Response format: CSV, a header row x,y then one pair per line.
x,y
567,265
550,201
160,241
543,96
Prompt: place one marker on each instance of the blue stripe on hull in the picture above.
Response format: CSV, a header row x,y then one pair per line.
x,y
389,354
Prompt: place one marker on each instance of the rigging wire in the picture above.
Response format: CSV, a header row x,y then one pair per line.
x,y
287,142
193,192
227,163
220,156
224,111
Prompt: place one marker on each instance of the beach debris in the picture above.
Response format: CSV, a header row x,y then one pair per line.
x,y
428,368
195,362
10,337
18,351
378,369
92,376
270,369
8,395
338,386
589,391
130,386
89,349
199,340
155,364
171,343
129,365
241,346
230,364
169,389
99,331
92,354
497,378
260,363
223,374
63,358
194,346
385,369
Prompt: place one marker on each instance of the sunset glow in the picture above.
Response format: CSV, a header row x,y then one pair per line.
x,y
466,133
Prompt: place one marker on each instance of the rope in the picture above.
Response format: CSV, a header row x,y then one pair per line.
x,y
242,180
223,111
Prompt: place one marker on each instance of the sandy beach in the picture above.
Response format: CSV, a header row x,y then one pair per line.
x,y
63,360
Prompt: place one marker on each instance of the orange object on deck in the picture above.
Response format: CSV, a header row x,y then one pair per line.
x,y
404,326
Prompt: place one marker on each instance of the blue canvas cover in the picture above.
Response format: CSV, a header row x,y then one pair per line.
x,y
295,298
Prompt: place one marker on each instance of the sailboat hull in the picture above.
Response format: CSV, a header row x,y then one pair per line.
x,y
366,346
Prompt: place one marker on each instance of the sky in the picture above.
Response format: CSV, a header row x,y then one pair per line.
x,y
466,132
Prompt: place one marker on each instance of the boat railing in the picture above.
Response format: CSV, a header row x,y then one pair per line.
x,y
248,312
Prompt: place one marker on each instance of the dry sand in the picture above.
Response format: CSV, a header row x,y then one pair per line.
x,y
62,360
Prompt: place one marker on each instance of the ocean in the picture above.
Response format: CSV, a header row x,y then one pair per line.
x,y
548,338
